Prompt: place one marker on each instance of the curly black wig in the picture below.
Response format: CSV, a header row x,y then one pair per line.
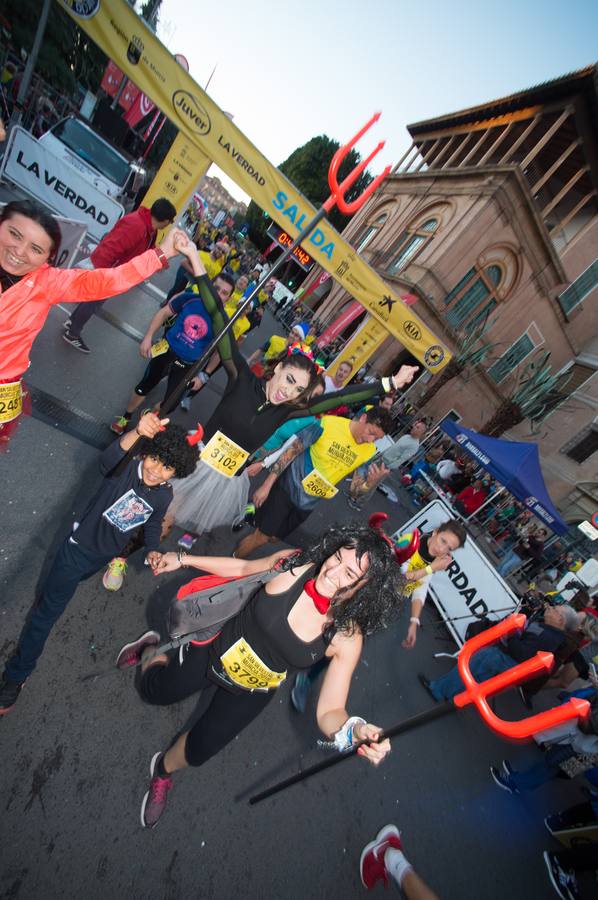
x,y
173,450
380,591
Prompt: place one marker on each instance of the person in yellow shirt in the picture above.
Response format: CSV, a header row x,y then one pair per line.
x,y
213,261
318,459
276,345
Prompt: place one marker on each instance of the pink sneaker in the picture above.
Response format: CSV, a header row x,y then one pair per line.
x,y
154,802
371,864
130,654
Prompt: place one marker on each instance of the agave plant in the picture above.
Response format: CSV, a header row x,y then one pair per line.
x,y
468,354
538,393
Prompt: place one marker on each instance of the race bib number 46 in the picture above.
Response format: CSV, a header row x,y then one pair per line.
x,y
316,485
11,401
244,667
223,454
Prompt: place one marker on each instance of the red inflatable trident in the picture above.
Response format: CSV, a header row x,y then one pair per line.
x,y
337,198
475,692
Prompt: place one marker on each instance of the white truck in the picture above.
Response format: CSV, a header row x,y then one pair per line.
x,y
101,164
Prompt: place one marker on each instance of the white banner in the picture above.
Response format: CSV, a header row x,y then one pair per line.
x,y
72,233
58,185
470,585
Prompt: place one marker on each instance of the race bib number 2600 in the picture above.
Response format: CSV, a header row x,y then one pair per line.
x,y
316,485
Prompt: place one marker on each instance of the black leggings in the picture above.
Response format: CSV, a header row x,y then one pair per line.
x,y
158,368
226,716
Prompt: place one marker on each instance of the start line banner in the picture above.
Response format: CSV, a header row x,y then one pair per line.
x,y
470,585
126,39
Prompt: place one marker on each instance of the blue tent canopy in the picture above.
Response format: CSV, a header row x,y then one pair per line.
x,y
513,463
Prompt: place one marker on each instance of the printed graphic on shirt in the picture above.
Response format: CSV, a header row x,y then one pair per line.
x,y
192,330
128,512
336,454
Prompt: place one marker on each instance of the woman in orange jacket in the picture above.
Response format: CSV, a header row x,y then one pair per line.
x,y
30,285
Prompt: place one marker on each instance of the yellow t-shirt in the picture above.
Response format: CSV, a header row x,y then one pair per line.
x,y
213,266
336,453
242,324
276,346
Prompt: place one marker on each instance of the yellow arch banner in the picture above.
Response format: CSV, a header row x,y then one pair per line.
x,y
126,39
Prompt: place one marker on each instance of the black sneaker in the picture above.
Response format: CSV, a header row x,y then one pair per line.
x,y
77,342
9,694
562,880
247,517
502,781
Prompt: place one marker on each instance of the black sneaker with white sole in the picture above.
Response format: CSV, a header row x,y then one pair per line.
x,y
563,880
77,342
502,781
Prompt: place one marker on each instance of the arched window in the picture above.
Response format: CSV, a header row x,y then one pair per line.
x,y
410,244
473,297
364,237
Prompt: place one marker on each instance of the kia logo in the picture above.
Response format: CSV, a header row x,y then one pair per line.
x,y
191,112
412,330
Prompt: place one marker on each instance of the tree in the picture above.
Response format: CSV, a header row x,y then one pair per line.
x,y
307,168
67,56
468,354
536,394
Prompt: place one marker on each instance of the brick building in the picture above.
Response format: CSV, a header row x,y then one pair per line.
x,y
217,197
493,211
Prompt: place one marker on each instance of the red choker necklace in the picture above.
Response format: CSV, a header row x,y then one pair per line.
x,y
321,603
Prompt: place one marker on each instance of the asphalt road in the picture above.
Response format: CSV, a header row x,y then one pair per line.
x,y
76,754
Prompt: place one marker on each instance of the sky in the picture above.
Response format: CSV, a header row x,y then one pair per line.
x,y
288,72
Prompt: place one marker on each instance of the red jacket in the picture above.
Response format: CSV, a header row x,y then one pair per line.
x,y
24,307
132,235
471,498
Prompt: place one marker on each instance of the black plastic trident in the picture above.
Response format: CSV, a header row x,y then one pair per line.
x,y
336,198
476,693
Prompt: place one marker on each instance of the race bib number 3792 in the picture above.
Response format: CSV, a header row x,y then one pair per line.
x,y
244,667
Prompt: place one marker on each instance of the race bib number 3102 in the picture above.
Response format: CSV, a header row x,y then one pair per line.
x,y
223,455
244,667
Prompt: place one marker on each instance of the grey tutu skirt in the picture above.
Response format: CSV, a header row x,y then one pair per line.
x,y
206,499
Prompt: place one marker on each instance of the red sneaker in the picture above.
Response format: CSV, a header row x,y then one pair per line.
x,y
130,654
154,802
371,863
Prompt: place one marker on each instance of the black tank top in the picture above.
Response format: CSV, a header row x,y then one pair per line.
x,y
263,625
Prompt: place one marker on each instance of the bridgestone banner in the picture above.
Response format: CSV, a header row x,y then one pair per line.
x,y
125,38
470,586
58,185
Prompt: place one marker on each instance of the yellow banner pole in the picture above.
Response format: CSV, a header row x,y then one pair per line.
x,y
364,343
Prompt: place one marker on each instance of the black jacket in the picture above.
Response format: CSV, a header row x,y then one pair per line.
x,y
122,504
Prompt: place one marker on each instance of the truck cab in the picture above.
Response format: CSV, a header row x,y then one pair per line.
x,y
75,142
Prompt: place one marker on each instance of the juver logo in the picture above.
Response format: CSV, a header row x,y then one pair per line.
x,y
86,9
191,112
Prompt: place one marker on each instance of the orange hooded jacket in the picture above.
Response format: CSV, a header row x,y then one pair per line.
x,y
24,307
